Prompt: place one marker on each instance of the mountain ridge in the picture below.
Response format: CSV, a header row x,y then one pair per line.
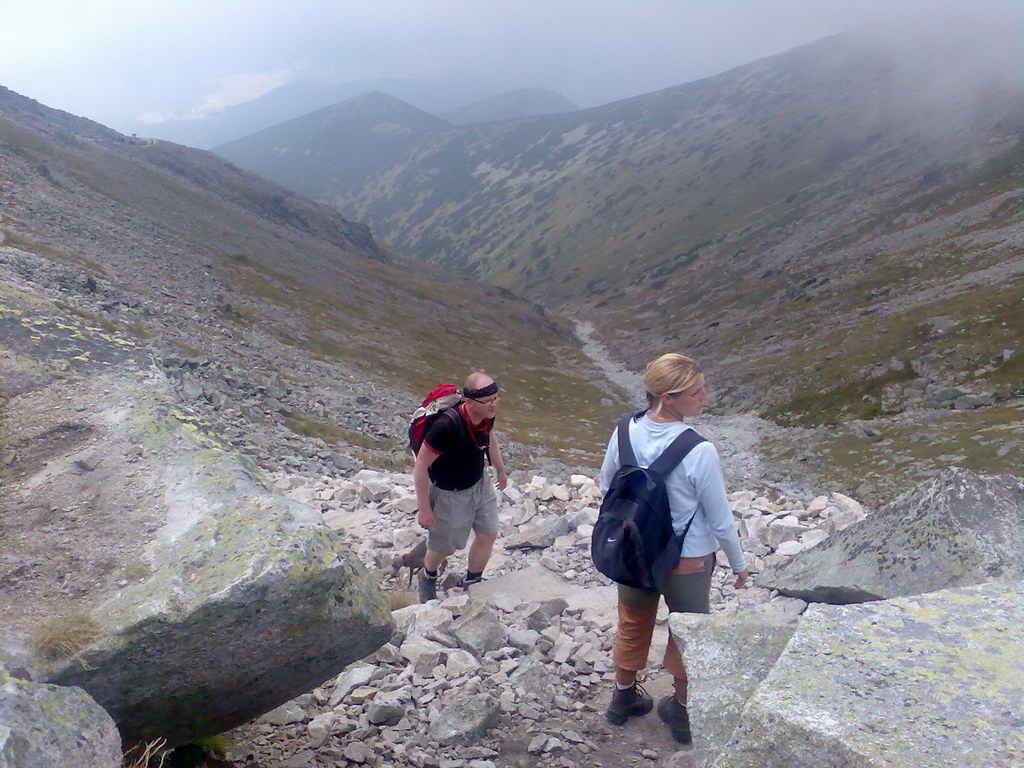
x,y
557,207
511,105
350,139
295,99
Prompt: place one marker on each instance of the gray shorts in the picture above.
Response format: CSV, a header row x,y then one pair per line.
x,y
456,512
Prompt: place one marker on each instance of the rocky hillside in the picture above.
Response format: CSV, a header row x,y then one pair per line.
x,y
516,671
836,231
168,321
791,196
304,340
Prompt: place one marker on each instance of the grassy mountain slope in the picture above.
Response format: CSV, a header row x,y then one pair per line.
x,y
177,250
757,218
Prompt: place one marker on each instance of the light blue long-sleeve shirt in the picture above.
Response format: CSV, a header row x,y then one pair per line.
x,y
695,488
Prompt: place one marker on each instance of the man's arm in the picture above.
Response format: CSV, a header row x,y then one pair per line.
x,y
421,481
494,452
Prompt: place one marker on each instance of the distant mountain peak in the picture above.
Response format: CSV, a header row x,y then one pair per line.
x,y
351,139
378,104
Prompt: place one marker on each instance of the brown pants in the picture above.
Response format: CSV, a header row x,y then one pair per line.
x,y
687,588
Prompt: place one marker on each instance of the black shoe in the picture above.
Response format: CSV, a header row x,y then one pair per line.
x,y
427,587
468,581
632,702
675,716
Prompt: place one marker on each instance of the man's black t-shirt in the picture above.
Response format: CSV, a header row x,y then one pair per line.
x,y
461,463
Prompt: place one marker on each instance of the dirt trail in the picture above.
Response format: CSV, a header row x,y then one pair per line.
x,y
735,436
629,383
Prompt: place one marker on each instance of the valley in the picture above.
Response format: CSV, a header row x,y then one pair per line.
x,y
835,232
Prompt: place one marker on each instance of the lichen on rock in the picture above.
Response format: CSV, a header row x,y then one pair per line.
x,y
907,682
248,600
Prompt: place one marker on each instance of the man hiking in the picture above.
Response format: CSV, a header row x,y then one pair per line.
x,y
452,490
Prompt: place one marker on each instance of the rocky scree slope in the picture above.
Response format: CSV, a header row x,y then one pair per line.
x,y
266,308
836,231
516,671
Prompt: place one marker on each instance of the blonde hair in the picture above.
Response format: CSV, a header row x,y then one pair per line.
x,y
668,375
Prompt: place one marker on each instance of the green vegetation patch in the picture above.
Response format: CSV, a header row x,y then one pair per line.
x,y
858,400
307,426
909,449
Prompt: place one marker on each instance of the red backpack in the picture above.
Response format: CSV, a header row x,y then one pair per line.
x,y
441,398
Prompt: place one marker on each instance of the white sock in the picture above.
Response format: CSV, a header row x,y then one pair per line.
x,y
622,687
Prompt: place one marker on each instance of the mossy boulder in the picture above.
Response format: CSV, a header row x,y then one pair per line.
x,y
47,726
957,529
726,659
241,600
901,683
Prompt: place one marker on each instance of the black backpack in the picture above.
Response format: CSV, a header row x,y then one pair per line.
x,y
633,542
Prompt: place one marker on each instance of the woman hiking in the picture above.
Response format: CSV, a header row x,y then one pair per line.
x,y
696,491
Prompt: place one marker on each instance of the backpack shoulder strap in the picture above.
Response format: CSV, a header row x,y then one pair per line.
x,y
456,419
676,452
626,456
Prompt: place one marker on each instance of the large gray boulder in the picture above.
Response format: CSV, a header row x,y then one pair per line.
x,y
726,659
904,683
47,726
958,528
236,599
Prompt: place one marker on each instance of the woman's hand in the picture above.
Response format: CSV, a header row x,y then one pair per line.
x,y
501,480
741,579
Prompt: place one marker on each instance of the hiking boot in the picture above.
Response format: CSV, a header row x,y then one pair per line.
x,y
427,587
632,702
468,581
675,716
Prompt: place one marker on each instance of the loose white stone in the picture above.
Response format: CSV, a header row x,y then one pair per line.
x,y
846,504
790,548
320,728
811,538
459,662
817,505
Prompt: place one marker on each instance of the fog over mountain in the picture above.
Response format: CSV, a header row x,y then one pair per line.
x,y
191,61
293,100
209,361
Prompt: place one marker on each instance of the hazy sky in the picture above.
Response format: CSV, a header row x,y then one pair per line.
x,y
120,61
